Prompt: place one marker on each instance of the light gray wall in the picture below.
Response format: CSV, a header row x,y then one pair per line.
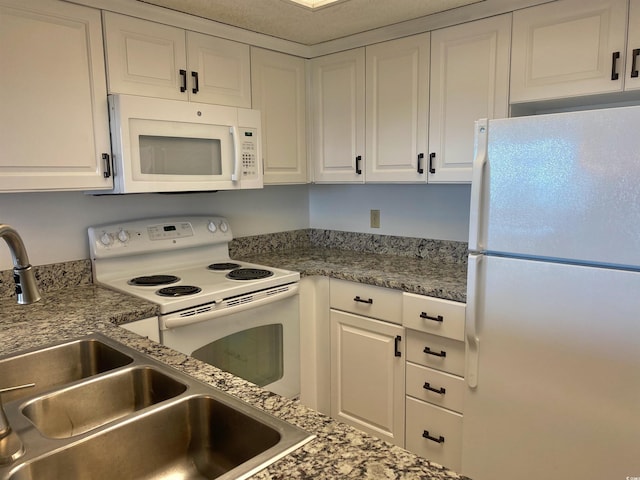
x,y
53,225
423,211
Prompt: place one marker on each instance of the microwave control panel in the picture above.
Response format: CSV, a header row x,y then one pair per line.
x,y
249,151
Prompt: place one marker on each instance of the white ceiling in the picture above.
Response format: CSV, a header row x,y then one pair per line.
x,y
286,20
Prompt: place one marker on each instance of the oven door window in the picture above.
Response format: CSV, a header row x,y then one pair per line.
x,y
255,354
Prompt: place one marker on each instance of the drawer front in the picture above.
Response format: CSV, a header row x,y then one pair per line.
x,y
435,387
433,315
436,352
444,429
367,300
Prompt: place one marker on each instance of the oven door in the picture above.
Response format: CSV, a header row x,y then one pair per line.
x,y
260,344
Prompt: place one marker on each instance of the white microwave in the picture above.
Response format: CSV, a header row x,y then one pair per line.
x,y
174,146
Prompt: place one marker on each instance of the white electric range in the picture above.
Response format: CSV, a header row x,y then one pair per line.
x,y
238,316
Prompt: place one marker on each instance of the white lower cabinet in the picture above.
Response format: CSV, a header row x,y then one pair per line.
x,y
435,385
367,366
434,433
397,368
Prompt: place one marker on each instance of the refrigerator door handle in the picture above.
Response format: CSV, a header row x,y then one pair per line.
x,y
482,130
471,333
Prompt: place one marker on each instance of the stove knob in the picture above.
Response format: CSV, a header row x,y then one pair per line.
x,y
106,239
123,236
212,227
224,226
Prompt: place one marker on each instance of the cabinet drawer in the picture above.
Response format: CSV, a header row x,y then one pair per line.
x,y
444,429
436,352
368,300
433,315
435,387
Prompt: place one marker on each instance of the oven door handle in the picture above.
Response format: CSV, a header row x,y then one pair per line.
x,y
176,321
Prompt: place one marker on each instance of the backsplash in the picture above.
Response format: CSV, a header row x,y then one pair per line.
x,y
444,251
51,277
78,272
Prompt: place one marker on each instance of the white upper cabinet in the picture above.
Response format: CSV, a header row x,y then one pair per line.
x,y
632,77
53,117
469,81
397,106
570,48
156,60
278,86
337,113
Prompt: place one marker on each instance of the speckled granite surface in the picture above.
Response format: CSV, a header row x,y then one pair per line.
x,y
51,277
427,267
337,452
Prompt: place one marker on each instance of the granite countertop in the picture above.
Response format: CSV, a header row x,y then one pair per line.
x,y
338,451
423,276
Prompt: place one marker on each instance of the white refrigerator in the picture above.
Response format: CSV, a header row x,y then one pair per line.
x,y
553,299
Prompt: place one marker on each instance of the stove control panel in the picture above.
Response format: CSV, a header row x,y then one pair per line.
x,y
157,234
166,231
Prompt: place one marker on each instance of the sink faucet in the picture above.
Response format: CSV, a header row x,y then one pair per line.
x,y
26,288
11,447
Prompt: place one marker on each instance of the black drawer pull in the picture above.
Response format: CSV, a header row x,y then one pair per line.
x,y
196,87
358,169
361,300
634,64
424,316
428,351
614,64
432,157
107,165
420,169
183,75
426,435
440,390
397,346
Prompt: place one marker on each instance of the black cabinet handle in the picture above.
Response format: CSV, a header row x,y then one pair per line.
x,y
183,74
432,157
428,351
614,64
107,165
440,390
361,300
196,87
358,160
634,63
426,435
420,169
424,316
397,345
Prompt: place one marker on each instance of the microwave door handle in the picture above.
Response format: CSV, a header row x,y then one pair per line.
x,y
236,153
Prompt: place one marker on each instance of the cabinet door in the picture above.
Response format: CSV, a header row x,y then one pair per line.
x,y
397,109
145,58
337,84
568,48
218,70
469,81
367,378
278,87
53,103
632,79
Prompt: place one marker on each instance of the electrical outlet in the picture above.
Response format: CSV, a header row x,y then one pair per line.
x,y
375,218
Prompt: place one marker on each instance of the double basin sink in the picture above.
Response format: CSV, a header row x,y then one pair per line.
x,y
100,410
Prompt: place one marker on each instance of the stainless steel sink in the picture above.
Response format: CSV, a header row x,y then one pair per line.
x,y
58,365
80,408
141,420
